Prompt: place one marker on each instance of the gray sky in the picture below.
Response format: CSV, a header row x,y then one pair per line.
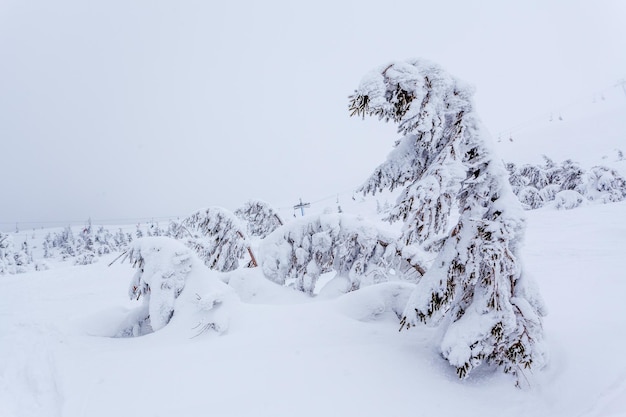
x,y
122,109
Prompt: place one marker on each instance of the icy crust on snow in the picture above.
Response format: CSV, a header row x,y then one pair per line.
x,y
175,286
302,250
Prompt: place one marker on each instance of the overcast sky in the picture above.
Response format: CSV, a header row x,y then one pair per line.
x,y
122,109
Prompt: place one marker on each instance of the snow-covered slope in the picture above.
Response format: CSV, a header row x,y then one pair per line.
x,y
590,131
285,354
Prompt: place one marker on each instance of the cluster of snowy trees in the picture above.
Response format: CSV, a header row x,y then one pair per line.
x,y
567,184
14,261
89,243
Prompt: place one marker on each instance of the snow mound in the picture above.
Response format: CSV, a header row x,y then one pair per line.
x,y
369,303
568,199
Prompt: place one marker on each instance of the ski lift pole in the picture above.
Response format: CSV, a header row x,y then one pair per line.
x,y
301,206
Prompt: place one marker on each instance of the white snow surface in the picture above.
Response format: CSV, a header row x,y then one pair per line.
x,y
287,354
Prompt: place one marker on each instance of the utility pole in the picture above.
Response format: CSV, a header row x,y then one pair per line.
x,y
301,206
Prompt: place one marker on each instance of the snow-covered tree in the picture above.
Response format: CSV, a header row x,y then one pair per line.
x,y
23,258
359,252
65,243
104,242
568,199
217,237
260,217
475,287
605,184
530,198
165,270
85,246
7,255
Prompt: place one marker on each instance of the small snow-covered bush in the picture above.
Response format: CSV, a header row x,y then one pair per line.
x,y
605,184
261,219
14,261
173,282
7,255
218,238
568,199
530,198
537,185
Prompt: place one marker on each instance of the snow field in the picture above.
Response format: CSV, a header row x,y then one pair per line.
x,y
285,353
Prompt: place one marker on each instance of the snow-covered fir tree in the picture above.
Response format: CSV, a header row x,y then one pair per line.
x,y
7,255
170,280
65,244
218,238
261,219
475,287
162,267
358,251
85,246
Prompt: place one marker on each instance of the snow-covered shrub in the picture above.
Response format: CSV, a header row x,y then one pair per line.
x,y
568,199
535,176
600,183
571,176
549,192
516,179
166,269
605,184
7,255
14,261
261,219
104,242
530,198
475,287
304,249
217,237
86,258
64,243
23,259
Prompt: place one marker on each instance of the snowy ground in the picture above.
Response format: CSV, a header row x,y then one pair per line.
x,y
286,354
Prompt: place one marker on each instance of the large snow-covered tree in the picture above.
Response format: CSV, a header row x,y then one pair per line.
x,y
260,217
456,193
217,237
358,251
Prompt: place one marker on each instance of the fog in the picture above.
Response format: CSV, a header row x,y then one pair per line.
x,y
120,110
